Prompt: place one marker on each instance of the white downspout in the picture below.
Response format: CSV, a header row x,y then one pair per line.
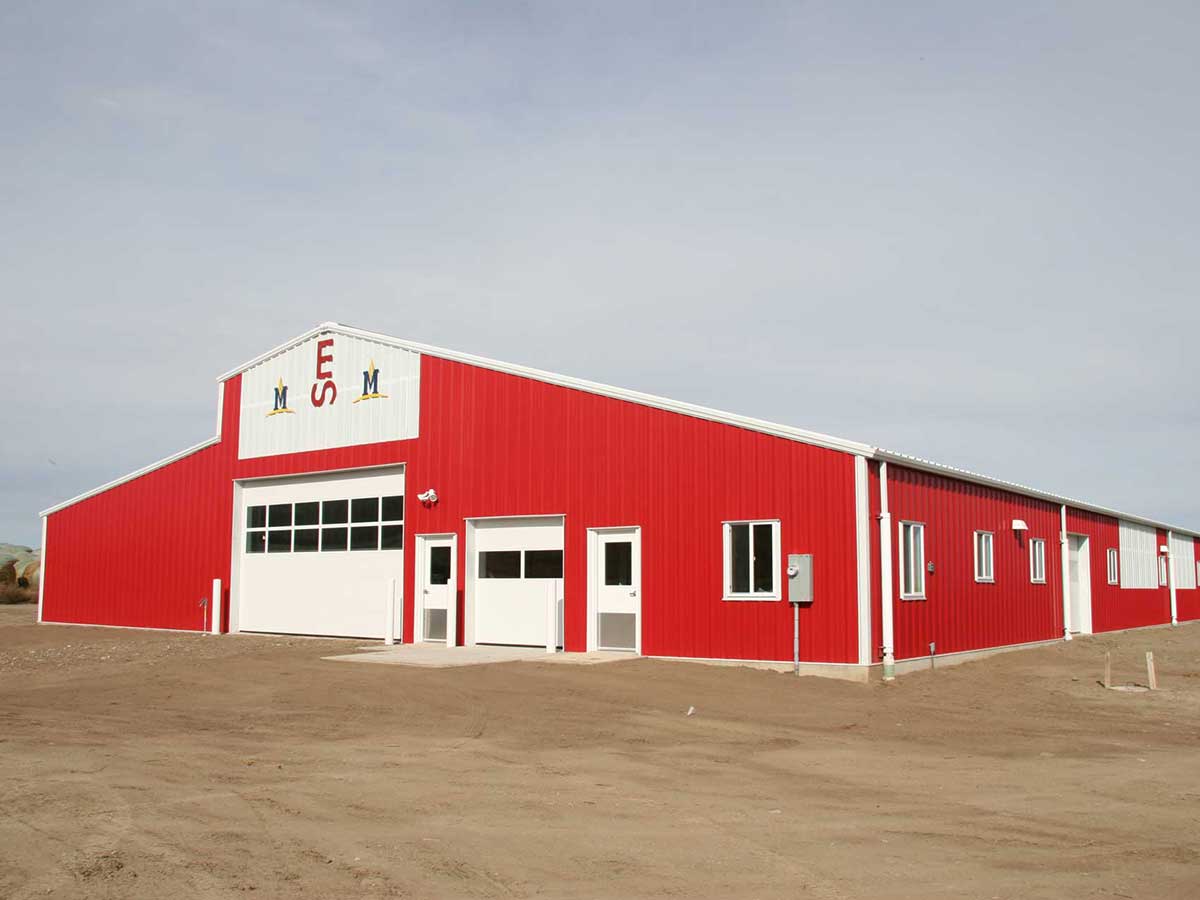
x,y
1171,578
885,577
1064,552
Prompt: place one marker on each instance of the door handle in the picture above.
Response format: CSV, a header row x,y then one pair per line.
x,y
633,593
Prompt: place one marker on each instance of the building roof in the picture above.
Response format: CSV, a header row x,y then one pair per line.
x,y
788,432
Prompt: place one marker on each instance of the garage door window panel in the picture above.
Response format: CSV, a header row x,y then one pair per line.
x,y
364,537
280,515
256,517
307,514
279,541
364,509
391,537
334,539
393,509
335,512
256,541
306,540
543,564
500,564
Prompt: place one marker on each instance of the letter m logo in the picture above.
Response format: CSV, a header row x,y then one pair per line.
x,y
281,397
371,382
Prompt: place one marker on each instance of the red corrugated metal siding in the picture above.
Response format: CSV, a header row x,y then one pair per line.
x,y
1114,607
1187,602
497,445
958,613
145,552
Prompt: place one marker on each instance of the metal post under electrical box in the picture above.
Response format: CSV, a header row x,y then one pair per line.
x,y
800,590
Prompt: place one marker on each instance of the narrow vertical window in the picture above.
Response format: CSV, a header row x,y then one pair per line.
x,y
912,561
1114,572
1162,571
984,570
1037,561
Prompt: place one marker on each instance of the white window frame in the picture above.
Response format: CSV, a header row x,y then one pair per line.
x,y
988,574
1036,545
1162,571
727,554
1114,566
1198,571
919,560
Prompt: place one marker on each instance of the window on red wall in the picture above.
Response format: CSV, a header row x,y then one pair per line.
x,y
984,563
1037,561
912,561
1114,573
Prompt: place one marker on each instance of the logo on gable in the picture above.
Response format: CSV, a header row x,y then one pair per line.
x,y
370,389
280,400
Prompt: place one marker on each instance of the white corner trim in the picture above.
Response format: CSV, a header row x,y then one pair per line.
x,y
42,570
195,448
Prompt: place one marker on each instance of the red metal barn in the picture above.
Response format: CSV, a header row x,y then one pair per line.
x,y
359,483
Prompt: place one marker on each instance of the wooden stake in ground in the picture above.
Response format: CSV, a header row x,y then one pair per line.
x,y
1151,676
1108,670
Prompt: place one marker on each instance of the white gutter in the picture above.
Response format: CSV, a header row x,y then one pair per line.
x,y
924,465
1171,577
1064,551
885,577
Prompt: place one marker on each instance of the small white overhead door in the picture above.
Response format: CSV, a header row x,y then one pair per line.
x,y
318,554
518,570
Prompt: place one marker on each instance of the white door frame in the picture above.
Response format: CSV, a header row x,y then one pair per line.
x,y
593,581
420,561
1084,625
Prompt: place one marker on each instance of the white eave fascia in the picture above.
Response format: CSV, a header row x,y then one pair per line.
x,y
925,465
592,387
145,470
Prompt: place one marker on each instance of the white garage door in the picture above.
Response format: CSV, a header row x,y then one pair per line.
x,y
518,566
318,555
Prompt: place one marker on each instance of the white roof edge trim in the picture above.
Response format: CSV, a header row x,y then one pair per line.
x,y
592,387
145,470
925,465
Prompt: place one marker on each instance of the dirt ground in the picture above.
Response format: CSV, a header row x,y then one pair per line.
x,y
148,765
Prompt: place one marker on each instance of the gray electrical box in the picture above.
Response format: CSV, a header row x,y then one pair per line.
x,y
800,578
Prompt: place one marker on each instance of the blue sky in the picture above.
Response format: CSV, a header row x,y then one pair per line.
x,y
961,230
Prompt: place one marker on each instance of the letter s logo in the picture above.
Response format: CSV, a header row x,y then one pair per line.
x,y
321,391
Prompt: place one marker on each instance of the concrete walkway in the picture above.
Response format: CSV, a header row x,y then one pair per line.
x,y
439,656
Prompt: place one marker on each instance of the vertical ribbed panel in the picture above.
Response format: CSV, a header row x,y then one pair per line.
x,y
1114,607
1187,603
959,613
496,445
1183,556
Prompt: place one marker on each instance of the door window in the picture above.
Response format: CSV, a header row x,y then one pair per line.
x,y
618,563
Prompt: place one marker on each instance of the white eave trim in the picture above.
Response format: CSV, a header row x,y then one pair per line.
x,y
924,465
592,387
132,475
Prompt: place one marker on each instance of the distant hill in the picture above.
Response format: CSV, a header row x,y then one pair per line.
x,y
20,570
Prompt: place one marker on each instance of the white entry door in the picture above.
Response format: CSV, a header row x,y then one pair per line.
x,y
436,585
618,589
1080,582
